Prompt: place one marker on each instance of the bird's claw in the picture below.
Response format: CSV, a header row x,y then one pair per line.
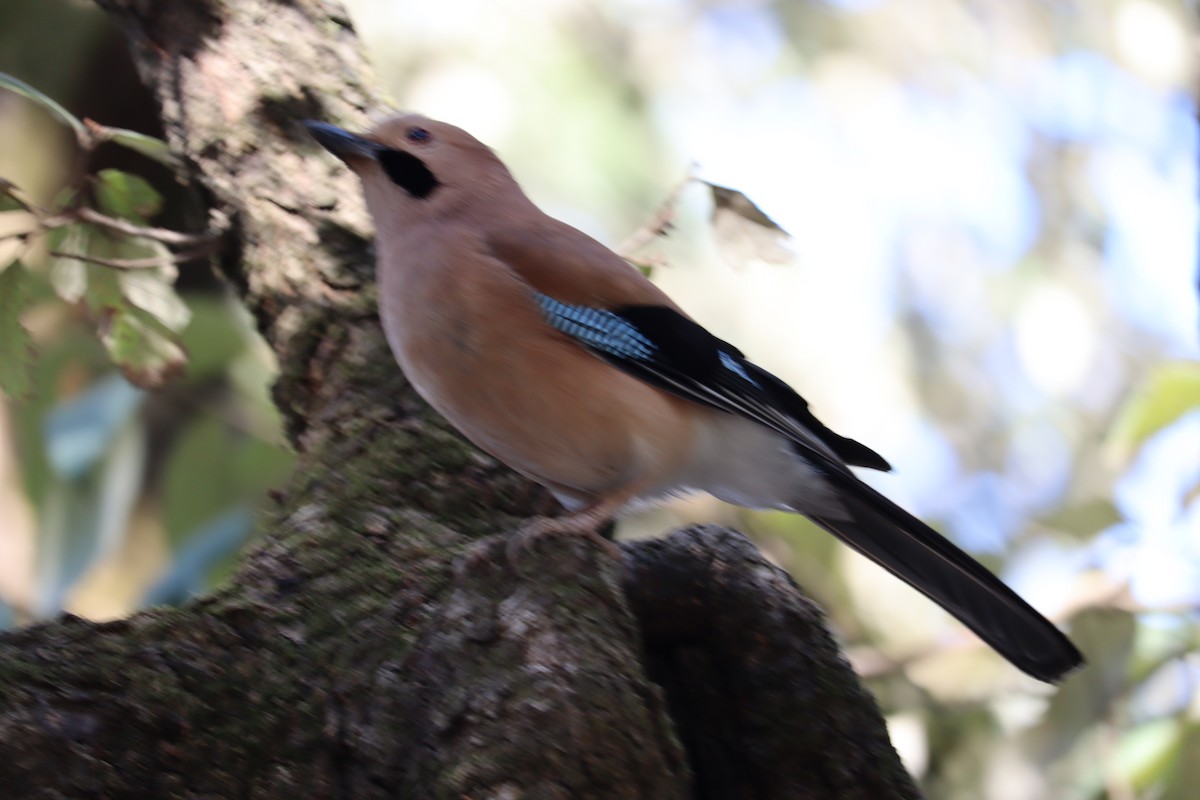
x,y
542,527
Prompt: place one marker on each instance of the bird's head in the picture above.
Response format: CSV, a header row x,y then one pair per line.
x,y
412,165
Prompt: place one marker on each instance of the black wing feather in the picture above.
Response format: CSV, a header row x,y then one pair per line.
x,y
679,356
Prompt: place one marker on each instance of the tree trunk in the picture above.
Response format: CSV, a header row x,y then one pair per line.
x,y
377,643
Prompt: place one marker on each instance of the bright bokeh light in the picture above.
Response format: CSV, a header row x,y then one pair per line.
x,y
1158,549
470,94
1152,40
1056,339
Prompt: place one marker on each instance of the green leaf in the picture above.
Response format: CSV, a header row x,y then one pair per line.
x,y
214,336
1083,519
15,344
61,361
1182,777
69,276
258,465
152,290
103,284
1171,391
147,353
148,146
123,194
10,199
25,90
1146,752
197,481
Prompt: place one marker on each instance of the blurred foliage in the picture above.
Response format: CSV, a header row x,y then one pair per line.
x,y
102,254
119,497
989,278
1170,392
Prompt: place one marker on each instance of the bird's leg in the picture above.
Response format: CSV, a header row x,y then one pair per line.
x,y
586,522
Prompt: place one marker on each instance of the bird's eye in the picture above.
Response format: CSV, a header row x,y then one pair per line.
x,y
418,135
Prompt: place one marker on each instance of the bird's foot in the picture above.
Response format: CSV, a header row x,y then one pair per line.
x,y
479,555
542,527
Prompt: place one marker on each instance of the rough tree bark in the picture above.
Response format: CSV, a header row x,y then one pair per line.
x,y
356,653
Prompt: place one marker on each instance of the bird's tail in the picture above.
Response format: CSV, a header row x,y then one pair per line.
x,y
923,558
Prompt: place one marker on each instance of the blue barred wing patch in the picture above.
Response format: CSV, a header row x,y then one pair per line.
x,y
599,329
731,364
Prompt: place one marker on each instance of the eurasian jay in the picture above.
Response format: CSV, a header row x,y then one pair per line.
x,y
559,358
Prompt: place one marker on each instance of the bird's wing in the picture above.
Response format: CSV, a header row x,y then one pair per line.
x,y
661,346
571,266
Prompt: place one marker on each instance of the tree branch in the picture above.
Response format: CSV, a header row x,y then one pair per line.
x,y
764,702
659,223
173,259
163,235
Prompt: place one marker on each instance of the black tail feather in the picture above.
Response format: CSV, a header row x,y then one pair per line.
x,y
923,558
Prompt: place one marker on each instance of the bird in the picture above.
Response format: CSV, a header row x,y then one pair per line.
x,y
562,360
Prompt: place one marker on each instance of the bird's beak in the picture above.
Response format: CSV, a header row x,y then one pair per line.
x,y
341,143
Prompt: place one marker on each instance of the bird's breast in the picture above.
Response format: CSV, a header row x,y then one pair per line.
x,y
472,341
